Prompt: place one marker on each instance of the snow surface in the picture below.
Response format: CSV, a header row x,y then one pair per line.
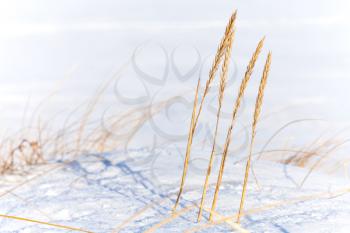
x,y
135,193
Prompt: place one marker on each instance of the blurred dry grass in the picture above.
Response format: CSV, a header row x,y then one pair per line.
x,y
39,142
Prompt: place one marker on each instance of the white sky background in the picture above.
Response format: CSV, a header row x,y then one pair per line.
x,y
41,42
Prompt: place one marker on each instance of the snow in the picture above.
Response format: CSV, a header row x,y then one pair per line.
x,y
134,191
109,193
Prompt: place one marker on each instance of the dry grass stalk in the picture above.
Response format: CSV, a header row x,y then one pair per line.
x,y
318,161
217,60
237,104
223,81
189,142
235,227
257,111
45,223
169,219
87,114
271,206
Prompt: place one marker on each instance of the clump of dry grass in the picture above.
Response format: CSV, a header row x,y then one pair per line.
x,y
217,60
237,104
38,143
25,153
224,48
257,111
223,81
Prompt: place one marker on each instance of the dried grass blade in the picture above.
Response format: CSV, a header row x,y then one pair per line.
x,y
257,111
237,104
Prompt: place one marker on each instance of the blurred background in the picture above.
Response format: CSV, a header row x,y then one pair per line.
x,y
55,54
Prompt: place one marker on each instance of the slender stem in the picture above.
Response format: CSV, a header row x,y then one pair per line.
x,y
223,81
189,142
237,104
257,111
